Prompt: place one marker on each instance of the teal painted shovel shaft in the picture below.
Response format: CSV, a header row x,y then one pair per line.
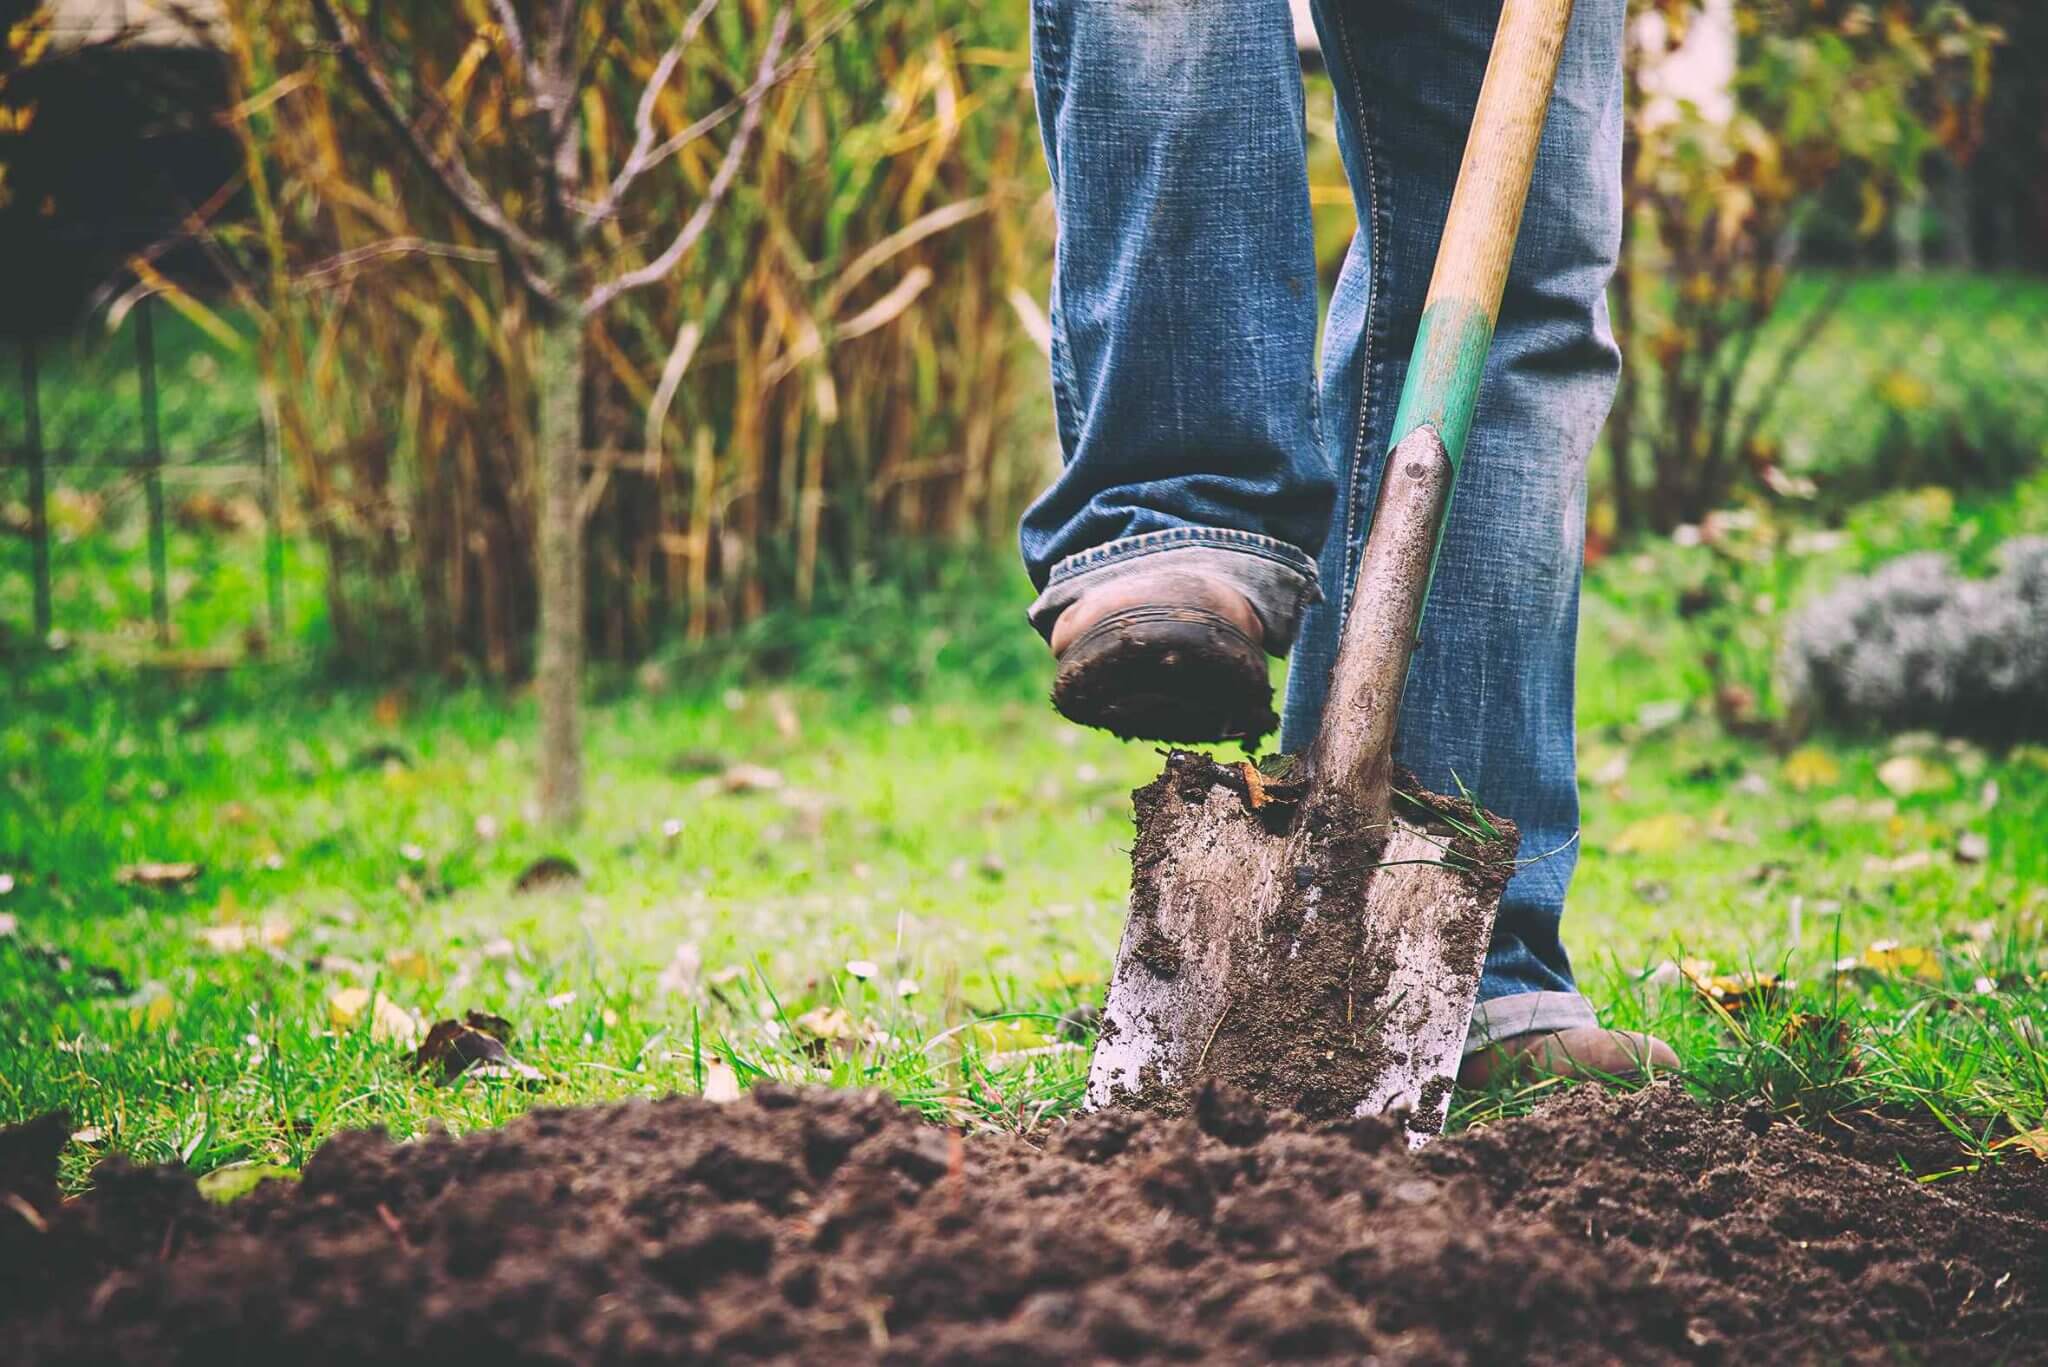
x,y
1458,316
1352,752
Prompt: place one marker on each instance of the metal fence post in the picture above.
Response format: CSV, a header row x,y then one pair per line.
x,y
38,488
153,451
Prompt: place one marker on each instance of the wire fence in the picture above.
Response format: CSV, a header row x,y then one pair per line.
x,y
246,456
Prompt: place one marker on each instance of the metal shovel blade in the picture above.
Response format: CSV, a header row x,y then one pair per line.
x,y
1323,968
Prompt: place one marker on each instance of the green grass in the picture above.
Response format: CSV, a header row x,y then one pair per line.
x,y
937,821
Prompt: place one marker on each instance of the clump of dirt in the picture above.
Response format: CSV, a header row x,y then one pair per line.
x,y
815,1225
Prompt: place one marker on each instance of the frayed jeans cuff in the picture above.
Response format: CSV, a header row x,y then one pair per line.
x,y
1275,578
1526,1013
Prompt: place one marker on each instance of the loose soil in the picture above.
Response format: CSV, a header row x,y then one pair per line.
x,y
835,1226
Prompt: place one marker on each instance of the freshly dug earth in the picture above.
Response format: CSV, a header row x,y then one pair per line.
x,y
816,1226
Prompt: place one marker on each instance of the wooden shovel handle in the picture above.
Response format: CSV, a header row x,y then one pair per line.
x,y
1351,760
1478,241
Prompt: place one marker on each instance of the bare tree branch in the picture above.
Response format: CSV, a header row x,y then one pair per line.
x,y
704,125
909,235
714,193
451,173
637,160
515,39
679,357
562,36
342,262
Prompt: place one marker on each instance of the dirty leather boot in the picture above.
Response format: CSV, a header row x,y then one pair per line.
x,y
1584,1052
1167,656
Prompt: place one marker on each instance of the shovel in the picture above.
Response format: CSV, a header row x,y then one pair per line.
x,y
1315,936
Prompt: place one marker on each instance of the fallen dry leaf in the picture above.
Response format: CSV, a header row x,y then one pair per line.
x,y
473,1046
8,924
390,1023
1663,833
390,708
238,936
1972,847
1810,767
2034,1142
749,778
783,713
154,1012
1607,767
345,1006
1653,717
832,1029
496,1026
6,884
1733,992
157,875
1909,961
409,963
1911,774
1829,1036
548,871
721,1083
826,1022
1254,784
679,977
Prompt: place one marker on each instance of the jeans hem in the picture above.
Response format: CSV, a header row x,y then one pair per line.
x,y
1526,1013
1276,578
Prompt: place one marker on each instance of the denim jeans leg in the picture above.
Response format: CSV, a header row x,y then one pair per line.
x,y
1489,701
1183,303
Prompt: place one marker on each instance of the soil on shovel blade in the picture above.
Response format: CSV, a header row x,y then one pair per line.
x,y
834,1226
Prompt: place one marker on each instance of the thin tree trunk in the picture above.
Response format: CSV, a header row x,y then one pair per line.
x,y
558,378
1958,222
1909,228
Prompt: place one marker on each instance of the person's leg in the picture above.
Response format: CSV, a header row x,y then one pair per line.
x,y
1490,693
1183,323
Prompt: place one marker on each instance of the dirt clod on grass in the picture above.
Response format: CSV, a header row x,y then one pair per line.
x,y
834,1226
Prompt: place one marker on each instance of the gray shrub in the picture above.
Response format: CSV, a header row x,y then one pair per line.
x,y
1916,644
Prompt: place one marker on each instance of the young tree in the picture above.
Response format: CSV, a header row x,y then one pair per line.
x,y
1826,96
542,225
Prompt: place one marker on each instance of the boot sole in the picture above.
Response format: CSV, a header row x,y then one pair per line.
x,y
1176,674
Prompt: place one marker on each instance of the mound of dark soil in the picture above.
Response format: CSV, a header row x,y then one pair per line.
x,y
823,1226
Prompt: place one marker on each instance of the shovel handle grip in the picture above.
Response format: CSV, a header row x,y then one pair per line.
x,y
1352,757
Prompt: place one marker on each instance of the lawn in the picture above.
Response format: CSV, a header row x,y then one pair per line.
x,y
859,848
889,863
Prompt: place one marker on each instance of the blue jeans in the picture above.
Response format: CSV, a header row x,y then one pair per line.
x,y
1197,424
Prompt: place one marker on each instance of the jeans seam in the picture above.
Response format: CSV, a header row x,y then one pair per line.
x,y
1374,297
1217,538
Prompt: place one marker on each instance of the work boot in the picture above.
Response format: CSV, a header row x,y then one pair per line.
x,y
1168,655
1583,1052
